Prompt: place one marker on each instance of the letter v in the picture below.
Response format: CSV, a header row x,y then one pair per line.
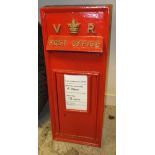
x,y
56,28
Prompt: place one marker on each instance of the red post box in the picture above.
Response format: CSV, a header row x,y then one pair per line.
x,y
76,40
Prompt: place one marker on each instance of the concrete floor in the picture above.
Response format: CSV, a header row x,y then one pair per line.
x,y
47,146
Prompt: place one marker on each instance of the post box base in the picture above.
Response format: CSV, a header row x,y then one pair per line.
x,y
76,141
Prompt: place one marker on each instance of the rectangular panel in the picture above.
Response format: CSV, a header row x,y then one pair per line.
x,y
74,120
75,92
75,43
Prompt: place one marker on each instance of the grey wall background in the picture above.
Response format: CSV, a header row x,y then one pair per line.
x,y
111,75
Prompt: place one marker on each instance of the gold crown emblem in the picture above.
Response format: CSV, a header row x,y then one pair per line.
x,y
73,26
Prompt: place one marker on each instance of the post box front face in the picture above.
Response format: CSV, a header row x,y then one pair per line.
x,y
75,47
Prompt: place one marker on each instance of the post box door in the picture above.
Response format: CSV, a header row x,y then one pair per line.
x,y
76,47
77,116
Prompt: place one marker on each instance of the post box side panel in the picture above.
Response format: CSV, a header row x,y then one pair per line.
x,y
53,108
79,127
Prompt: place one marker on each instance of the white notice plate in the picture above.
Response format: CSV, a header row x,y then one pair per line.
x,y
75,92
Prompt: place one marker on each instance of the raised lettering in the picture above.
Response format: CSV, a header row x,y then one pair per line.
x,y
91,28
56,28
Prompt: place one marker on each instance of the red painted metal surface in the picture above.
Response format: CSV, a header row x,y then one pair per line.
x,y
86,57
